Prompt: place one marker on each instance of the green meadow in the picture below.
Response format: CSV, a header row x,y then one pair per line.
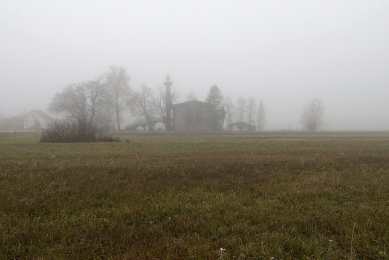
x,y
185,196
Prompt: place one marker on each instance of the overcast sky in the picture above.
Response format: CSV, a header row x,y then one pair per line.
x,y
284,52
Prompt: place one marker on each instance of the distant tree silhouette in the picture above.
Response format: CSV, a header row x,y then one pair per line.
x,y
215,97
251,110
86,102
313,115
141,104
230,111
261,115
216,110
117,80
241,108
191,96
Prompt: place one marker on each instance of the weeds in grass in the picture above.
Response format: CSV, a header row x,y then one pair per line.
x,y
220,253
330,251
263,248
352,252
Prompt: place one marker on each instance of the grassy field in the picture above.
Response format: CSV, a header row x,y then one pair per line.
x,y
159,196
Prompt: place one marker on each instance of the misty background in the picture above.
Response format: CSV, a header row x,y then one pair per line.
x,y
283,52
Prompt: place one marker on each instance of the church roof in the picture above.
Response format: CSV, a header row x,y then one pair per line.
x,y
41,113
192,102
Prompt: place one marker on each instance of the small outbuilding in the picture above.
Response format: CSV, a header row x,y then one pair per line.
x,y
241,126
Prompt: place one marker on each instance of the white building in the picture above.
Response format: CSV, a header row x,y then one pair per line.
x,y
36,120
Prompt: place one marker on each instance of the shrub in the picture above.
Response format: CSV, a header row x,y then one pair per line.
x,y
71,131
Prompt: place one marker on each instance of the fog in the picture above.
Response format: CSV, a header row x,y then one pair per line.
x,y
283,52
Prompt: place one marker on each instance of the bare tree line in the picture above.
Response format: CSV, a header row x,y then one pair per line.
x,y
101,102
245,110
145,104
250,112
98,102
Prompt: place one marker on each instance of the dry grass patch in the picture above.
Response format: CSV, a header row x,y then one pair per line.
x,y
186,196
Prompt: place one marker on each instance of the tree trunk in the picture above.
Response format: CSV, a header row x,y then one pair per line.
x,y
117,119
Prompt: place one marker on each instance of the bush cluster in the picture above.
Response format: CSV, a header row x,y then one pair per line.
x,y
71,131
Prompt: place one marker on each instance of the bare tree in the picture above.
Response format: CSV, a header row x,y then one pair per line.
x,y
117,80
159,101
71,102
251,110
230,110
83,102
241,108
191,96
141,104
261,116
313,115
101,103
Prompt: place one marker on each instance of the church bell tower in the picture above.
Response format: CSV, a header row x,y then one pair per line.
x,y
168,103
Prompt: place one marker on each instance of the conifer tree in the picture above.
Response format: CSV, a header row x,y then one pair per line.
x,y
216,113
215,97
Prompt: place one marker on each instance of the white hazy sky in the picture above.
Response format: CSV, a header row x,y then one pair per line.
x,y
284,52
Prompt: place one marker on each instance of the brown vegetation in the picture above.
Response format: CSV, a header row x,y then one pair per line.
x,y
159,196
